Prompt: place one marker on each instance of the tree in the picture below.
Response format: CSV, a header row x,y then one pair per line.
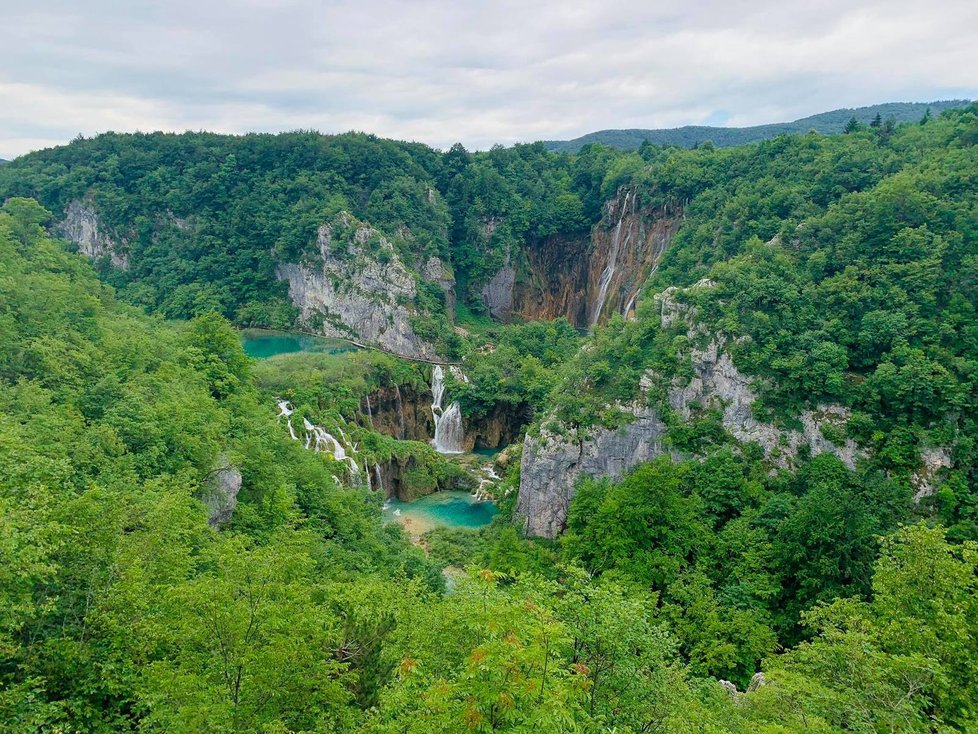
x,y
26,218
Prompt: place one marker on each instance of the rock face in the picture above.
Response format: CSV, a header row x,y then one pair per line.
x,y
626,249
585,279
401,412
82,227
498,292
717,382
933,461
501,427
357,288
221,493
434,271
552,464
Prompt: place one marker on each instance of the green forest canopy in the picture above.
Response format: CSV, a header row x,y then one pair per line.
x,y
843,264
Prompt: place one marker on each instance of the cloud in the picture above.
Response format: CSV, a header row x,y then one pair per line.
x,y
479,72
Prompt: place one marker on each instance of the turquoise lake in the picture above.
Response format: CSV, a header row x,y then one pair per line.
x,y
453,509
263,344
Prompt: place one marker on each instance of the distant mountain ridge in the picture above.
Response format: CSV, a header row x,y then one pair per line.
x,y
690,136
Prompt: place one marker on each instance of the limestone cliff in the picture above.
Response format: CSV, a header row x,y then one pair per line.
x,y
586,278
220,492
552,463
82,227
399,411
356,286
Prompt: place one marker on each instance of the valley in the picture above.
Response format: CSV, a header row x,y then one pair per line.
x,y
342,434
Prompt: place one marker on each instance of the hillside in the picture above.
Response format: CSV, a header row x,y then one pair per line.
x,y
827,123
741,499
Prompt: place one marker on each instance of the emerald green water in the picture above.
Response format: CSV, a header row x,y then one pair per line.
x,y
263,344
453,509
486,451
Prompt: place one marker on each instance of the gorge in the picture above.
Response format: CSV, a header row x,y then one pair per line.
x,y
668,440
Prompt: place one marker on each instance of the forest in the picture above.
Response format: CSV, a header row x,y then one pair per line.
x,y
719,587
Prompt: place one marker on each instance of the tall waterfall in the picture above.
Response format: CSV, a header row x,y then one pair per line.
x,y
437,390
448,431
400,412
609,271
448,423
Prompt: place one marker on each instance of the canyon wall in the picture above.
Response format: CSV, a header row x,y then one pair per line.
x,y
82,227
554,461
358,287
585,278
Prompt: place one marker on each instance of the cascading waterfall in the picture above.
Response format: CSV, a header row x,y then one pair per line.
x,y
449,435
285,410
379,476
609,271
437,389
318,439
448,431
400,411
488,479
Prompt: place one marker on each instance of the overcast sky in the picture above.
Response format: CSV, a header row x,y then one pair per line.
x,y
441,71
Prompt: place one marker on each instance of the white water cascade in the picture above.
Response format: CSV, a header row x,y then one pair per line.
x,y
318,439
488,479
448,431
609,271
449,434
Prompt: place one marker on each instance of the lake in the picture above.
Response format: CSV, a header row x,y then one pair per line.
x,y
262,343
451,509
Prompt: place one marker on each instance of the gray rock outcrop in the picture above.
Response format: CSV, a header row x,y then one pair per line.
x,y
552,464
718,382
435,271
82,227
933,461
220,493
360,288
498,292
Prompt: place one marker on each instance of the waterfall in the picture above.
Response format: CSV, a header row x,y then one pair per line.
x,y
488,479
370,414
284,408
437,389
629,305
369,485
379,476
400,411
448,423
609,271
448,431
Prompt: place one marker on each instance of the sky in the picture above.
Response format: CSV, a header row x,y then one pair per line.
x,y
480,73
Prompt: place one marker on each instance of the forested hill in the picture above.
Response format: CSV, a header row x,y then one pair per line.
x,y
764,476
689,136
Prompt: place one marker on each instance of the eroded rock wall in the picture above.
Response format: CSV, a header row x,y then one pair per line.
x,y
553,463
82,227
357,288
585,278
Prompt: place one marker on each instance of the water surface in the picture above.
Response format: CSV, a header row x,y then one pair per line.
x,y
452,509
262,344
